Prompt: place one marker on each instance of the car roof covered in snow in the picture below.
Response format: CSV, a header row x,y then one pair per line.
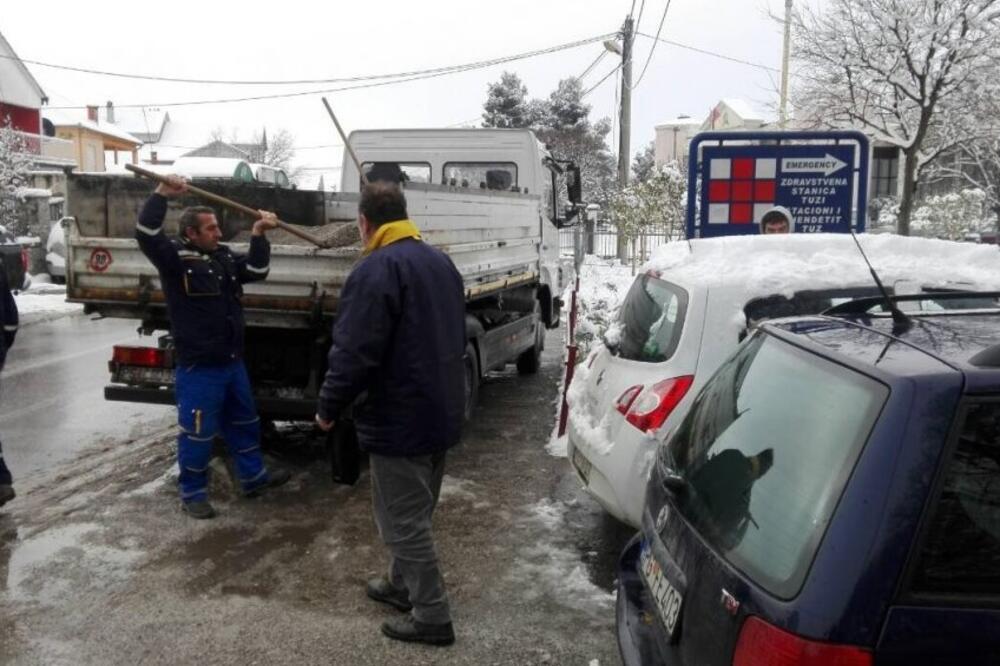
x,y
783,264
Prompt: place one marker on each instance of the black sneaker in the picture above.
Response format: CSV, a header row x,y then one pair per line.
x,y
275,478
405,628
200,510
383,591
6,493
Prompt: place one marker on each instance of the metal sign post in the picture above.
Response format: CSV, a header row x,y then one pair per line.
x,y
736,177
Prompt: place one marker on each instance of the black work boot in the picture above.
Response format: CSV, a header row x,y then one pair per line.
x,y
405,628
6,493
381,590
201,510
275,478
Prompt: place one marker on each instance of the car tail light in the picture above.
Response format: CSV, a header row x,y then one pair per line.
x,y
625,400
25,258
763,644
147,357
652,409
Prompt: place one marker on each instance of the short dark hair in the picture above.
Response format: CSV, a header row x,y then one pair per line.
x,y
189,219
773,216
382,202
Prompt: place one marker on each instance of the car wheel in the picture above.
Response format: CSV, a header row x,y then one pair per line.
x,y
471,379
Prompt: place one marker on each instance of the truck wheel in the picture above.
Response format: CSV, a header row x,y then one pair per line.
x,y
345,456
471,379
530,360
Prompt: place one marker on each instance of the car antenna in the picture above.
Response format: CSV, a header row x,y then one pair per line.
x,y
897,315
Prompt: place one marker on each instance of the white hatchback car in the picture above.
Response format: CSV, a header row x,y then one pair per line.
x,y
692,305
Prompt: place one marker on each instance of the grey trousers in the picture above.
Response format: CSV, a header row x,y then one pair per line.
x,y
404,494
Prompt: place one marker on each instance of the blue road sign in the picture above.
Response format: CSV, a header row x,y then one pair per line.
x,y
734,178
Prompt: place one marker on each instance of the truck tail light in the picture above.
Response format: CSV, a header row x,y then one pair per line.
x,y
146,357
761,643
652,409
25,258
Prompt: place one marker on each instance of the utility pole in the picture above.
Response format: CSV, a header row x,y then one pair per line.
x,y
783,105
625,120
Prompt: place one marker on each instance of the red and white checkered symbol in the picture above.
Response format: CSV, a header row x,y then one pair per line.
x,y
740,190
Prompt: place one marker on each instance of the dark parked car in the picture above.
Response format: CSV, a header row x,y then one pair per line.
x,y
832,497
15,260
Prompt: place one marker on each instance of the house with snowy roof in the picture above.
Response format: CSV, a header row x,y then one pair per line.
x,y
91,139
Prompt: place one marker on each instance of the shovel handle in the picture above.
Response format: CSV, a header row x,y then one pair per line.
x,y
229,203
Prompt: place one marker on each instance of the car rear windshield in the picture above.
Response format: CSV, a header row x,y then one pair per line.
x,y
651,320
766,451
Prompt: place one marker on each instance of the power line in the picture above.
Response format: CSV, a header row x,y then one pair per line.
x,y
428,75
656,41
590,67
638,20
711,53
348,79
603,79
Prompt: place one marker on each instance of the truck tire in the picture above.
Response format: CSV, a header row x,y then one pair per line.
x,y
530,359
471,379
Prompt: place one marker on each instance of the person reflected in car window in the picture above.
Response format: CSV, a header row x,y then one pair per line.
x,y
722,487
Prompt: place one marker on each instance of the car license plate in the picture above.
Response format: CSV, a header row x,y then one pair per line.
x,y
665,596
582,464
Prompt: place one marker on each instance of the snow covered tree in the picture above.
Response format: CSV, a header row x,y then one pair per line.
x,y
903,71
659,201
506,103
15,166
562,121
952,215
644,162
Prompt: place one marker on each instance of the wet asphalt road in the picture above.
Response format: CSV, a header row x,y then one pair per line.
x,y
51,394
99,566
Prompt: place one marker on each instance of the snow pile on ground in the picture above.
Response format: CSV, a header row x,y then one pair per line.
x,y
603,285
552,569
44,301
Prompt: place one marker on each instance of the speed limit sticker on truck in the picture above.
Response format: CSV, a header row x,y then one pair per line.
x,y
100,260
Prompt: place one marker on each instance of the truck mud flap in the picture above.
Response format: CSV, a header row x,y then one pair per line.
x,y
345,456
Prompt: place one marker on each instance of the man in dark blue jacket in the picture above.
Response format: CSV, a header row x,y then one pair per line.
x,y
8,318
399,339
202,283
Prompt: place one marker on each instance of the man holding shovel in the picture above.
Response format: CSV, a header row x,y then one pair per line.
x,y
202,283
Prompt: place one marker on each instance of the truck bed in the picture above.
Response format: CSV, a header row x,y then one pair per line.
x,y
491,236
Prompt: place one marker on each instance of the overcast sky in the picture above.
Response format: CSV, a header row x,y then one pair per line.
x,y
293,39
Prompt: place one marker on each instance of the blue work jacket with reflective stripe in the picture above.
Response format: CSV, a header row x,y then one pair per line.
x,y
202,289
8,316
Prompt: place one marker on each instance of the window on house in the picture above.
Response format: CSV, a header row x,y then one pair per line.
x,y
885,171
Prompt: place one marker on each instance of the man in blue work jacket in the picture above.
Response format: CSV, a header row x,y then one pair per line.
x,y
8,318
202,282
399,337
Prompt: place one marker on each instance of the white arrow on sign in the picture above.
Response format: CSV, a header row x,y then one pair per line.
x,y
827,165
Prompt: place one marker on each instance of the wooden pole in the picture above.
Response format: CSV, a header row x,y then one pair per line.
x,y
229,203
347,144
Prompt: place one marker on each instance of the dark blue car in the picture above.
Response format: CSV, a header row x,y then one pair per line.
x,y
833,497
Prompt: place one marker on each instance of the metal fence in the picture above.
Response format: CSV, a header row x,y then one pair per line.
x,y
602,241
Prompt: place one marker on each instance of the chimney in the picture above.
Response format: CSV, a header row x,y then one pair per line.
x,y
111,112
92,113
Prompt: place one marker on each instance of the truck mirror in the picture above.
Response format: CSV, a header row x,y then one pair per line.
x,y
574,184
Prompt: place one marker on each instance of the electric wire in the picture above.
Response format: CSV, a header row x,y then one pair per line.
x,y
652,49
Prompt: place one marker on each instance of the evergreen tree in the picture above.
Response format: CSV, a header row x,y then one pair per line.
x,y
506,103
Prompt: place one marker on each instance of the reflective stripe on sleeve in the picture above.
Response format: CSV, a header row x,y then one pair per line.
x,y
148,230
254,269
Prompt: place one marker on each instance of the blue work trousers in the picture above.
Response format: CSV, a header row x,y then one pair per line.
x,y
216,400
